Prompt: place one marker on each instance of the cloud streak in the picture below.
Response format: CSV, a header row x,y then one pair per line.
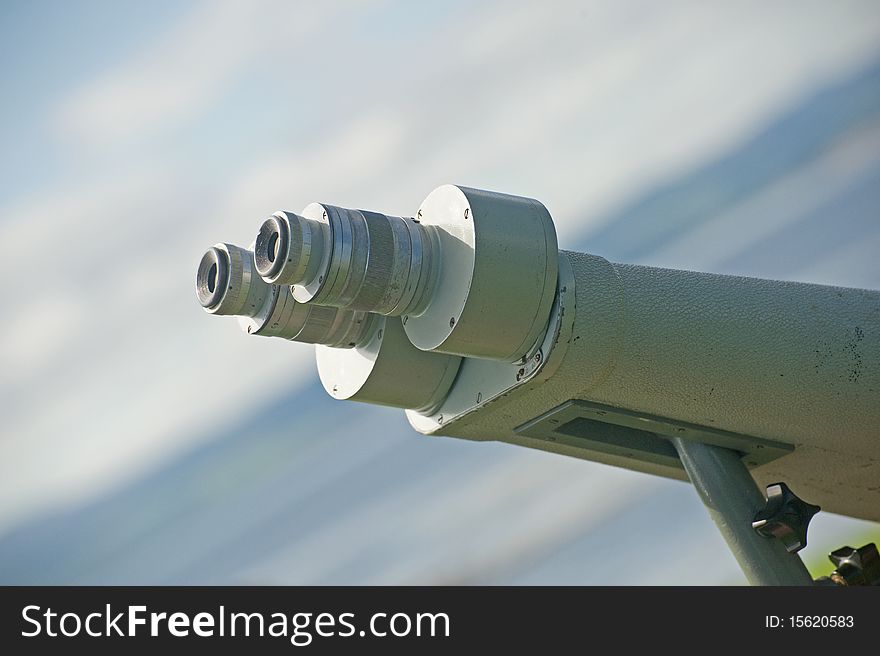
x,y
189,67
579,105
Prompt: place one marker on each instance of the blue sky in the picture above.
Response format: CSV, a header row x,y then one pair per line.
x,y
135,135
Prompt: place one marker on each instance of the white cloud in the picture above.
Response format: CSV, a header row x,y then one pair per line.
x,y
30,341
506,512
356,164
189,67
579,110
781,204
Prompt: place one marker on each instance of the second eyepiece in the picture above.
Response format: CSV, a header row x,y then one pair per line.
x,y
350,259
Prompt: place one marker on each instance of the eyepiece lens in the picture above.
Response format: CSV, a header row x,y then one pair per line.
x,y
211,278
273,247
270,244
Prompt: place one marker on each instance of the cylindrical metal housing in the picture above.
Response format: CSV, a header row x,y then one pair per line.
x,y
497,274
350,259
227,283
473,275
386,369
313,324
791,362
289,248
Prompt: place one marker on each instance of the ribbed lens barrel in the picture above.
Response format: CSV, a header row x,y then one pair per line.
x,y
314,324
290,248
349,258
227,284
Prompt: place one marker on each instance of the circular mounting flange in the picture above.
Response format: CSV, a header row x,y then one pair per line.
x,y
496,278
309,289
387,369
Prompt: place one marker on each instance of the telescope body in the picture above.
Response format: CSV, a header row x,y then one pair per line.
x,y
787,362
468,316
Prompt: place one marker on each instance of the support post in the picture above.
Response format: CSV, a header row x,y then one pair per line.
x,y
732,497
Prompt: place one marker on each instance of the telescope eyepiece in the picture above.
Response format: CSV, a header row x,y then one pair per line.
x,y
350,259
212,277
473,273
288,249
272,247
227,284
